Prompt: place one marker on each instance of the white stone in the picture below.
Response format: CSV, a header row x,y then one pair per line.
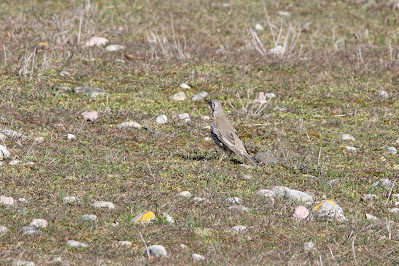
x,y
3,230
90,116
199,199
383,95
370,196
394,210
199,96
278,50
183,116
129,124
205,117
103,204
185,194
350,148
270,95
180,96
197,257
39,223
71,136
89,217
396,196
114,47
347,137
169,218
247,177
235,200
76,244
371,217
28,164
156,250
308,246
70,199
239,228
258,27
283,13
6,200
99,41
125,243
24,263
4,153
385,183
206,128
14,162
182,246
208,139
184,86
392,150
161,119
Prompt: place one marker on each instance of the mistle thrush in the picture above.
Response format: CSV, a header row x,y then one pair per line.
x,y
224,134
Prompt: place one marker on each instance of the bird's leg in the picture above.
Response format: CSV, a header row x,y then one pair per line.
x,y
221,158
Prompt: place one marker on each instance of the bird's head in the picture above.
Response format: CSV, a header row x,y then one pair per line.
x,y
214,104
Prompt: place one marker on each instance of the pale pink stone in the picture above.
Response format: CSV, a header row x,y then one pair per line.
x,y
300,213
6,200
261,96
90,116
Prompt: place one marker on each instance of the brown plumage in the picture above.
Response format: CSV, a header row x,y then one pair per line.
x,y
224,133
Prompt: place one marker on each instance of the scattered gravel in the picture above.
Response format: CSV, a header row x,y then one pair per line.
x,y
156,250
199,96
103,204
76,244
180,96
161,119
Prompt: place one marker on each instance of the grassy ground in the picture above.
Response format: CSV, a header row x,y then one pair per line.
x,y
325,86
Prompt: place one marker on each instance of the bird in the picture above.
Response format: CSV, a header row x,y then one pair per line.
x,y
224,134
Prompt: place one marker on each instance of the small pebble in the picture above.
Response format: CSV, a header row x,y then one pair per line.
x,y
185,194
90,116
184,86
28,164
385,183
89,217
258,27
57,260
75,244
278,50
39,223
392,150
3,230
371,217
199,96
197,257
207,139
184,116
267,193
96,41
300,213
71,136
169,218
182,246
370,196
114,47
24,263
239,228
71,199
205,117
7,201
180,96
125,243
238,208
347,137
308,246
156,251
162,119
29,230
199,199
129,124
394,210
246,177
65,73
350,148
89,91
103,204
235,200
4,152
270,95
395,196
382,95
14,162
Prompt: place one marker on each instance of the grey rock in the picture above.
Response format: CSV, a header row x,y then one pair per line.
x,y
329,210
267,193
185,194
394,210
89,91
308,246
76,244
371,217
236,200
114,47
3,230
369,196
199,96
238,208
180,96
24,263
29,230
89,217
347,137
197,257
385,183
392,150
266,157
292,194
161,119
382,95
129,124
156,250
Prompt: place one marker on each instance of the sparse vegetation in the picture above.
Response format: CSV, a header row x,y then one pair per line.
x,y
326,85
